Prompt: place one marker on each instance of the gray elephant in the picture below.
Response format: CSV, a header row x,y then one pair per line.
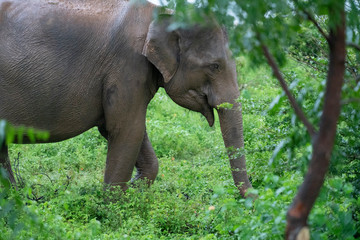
x,y
67,66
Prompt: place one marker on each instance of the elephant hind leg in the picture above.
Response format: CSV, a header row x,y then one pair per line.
x,y
147,164
103,132
5,163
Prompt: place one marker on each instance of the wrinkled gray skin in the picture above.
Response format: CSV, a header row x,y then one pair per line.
x,y
67,66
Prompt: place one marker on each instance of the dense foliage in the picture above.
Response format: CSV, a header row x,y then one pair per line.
x,y
273,30
193,197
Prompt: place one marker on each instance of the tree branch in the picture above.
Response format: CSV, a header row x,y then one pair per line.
x,y
312,19
354,45
317,25
322,146
350,100
299,113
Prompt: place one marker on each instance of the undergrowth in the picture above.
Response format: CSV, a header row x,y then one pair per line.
x,y
193,196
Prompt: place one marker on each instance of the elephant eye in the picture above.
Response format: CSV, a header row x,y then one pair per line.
x,y
215,67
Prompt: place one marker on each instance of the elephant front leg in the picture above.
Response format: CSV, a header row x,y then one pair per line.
x,y
123,150
5,163
147,164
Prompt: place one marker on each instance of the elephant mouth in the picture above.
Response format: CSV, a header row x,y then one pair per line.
x,y
203,106
209,115
208,112
197,102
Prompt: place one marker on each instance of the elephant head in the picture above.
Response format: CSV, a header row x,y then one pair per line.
x,y
199,74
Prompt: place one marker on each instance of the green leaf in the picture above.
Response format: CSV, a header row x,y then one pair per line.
x,y
225,105
31,134
10,134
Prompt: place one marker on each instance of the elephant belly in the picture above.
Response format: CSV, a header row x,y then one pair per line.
x,y
62,114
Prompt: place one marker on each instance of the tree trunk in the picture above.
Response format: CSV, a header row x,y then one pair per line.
x,y
323,142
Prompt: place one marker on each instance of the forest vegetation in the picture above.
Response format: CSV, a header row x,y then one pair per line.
x,y
61,184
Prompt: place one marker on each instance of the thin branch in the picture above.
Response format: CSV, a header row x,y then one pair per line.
x,y
19,179
350,100
312,19
37,198
271,61
305,62
353,45
51,181
317,25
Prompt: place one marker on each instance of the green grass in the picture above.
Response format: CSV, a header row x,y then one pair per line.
x,y
193,196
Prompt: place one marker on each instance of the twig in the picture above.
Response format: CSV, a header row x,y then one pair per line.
x,y
350,100
306,63
312,19
36,198
67,183
271,61
353,45
19,179
47,177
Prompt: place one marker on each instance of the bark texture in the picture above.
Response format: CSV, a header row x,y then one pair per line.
x,y
323,142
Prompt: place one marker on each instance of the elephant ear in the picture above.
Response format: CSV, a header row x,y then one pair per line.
x,y
162,48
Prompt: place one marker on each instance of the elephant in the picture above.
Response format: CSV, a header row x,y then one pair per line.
x,y
69,65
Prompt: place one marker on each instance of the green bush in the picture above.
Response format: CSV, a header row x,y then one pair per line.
x,y
193,196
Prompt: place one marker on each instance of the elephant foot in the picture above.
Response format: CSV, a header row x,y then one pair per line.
x,y
5,164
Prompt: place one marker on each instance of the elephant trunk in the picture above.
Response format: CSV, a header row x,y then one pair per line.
x,y
232,132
